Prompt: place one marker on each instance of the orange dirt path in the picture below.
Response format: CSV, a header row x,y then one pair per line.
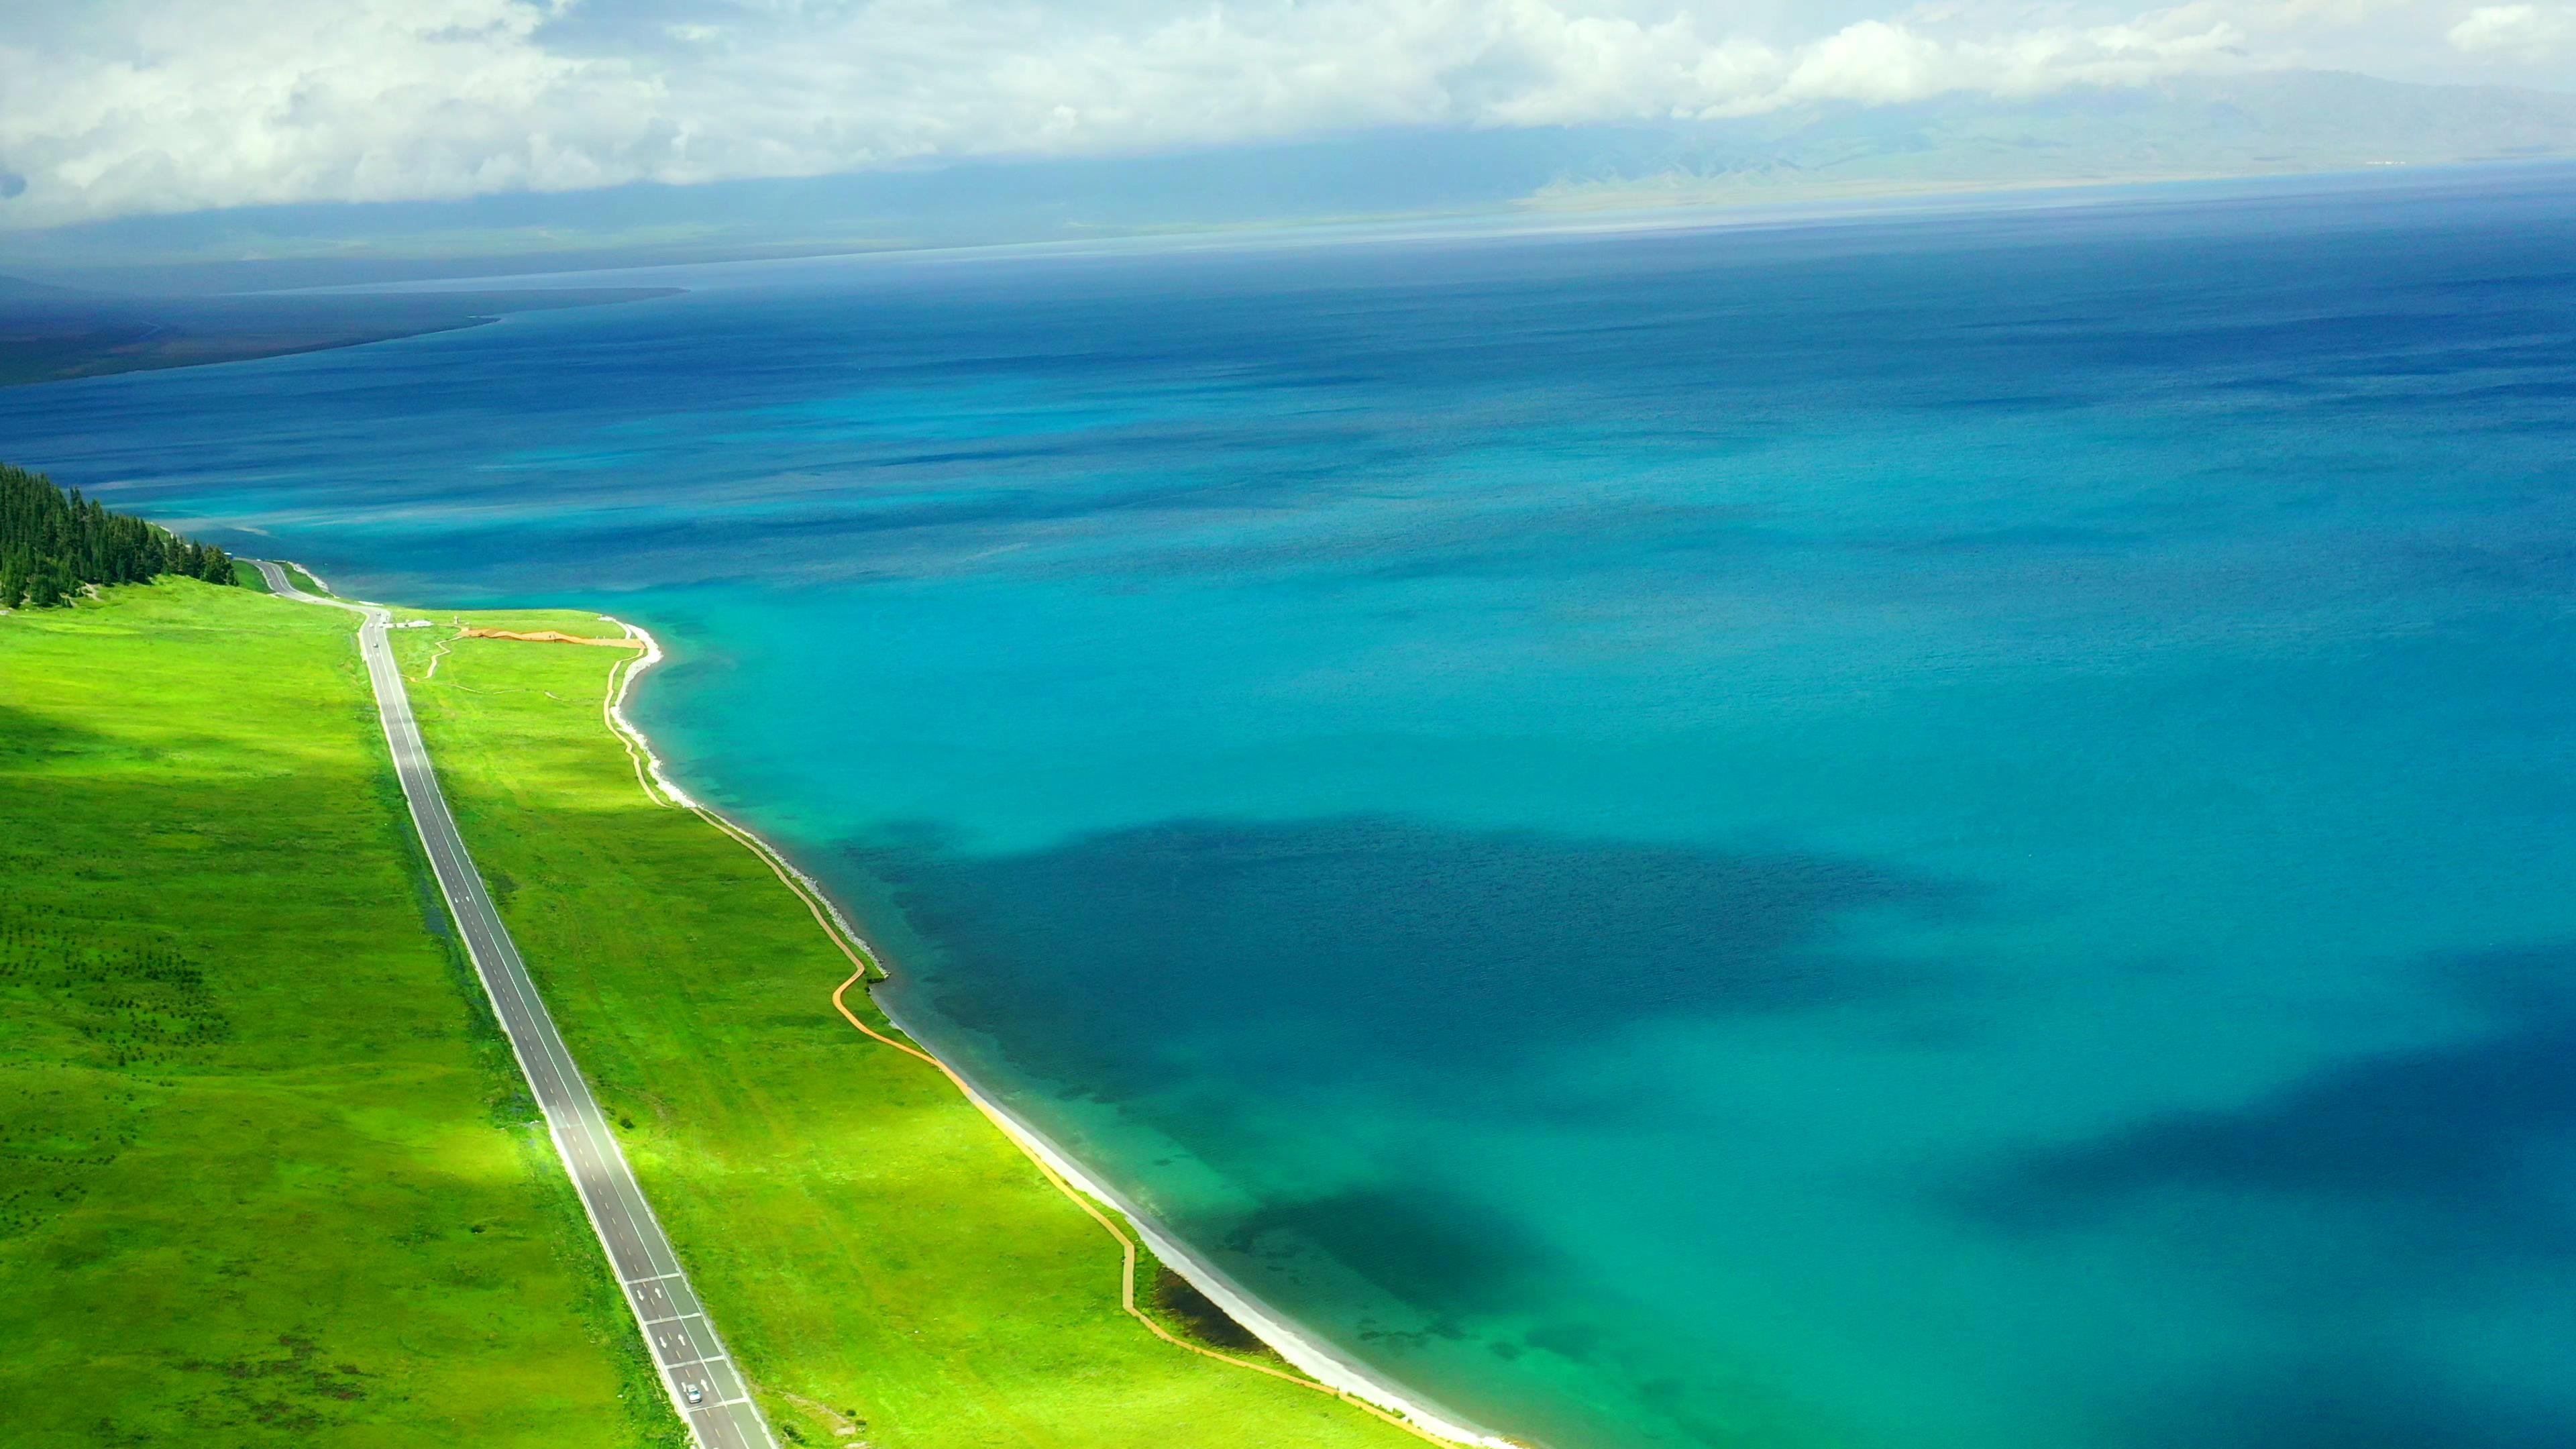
x,y
550,636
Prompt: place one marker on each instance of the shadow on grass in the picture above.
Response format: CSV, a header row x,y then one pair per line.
x,y
210,969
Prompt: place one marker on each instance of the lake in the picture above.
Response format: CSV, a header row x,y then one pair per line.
x,y
1913,832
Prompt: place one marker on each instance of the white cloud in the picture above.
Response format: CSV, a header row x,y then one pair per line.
x,y
122,106
2529,32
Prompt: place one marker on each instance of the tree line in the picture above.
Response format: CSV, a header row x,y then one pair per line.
x,y
53,541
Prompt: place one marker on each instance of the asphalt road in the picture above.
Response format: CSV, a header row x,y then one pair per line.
x,y
693,1360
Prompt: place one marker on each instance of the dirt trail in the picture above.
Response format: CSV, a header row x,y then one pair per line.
x,y
550,636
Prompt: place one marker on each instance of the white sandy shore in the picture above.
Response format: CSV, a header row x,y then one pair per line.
x,y
1293,1342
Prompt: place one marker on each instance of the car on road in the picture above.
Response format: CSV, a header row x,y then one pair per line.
x,y
696,1395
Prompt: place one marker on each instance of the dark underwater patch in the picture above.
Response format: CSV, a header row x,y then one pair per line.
x,y
1145,951
2461,1136
2351,1403
1418,1244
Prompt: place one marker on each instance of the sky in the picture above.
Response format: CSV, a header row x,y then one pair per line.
x,y
117,108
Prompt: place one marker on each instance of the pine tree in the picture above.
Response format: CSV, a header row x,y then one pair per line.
x,y
53,541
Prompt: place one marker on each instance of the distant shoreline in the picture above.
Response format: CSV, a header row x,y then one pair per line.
x,y
1309,1351
64,336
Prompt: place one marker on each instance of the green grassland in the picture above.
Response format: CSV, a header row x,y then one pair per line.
x,y
886,1265
266,1174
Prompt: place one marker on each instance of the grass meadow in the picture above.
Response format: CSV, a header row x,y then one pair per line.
x,y
266,1174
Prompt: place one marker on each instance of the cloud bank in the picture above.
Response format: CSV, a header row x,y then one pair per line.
x,y
117,107
2534,33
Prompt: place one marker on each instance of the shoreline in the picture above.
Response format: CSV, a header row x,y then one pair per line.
x,y
1307,1350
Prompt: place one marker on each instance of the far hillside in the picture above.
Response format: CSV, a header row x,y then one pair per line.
x,y
54,542
48,334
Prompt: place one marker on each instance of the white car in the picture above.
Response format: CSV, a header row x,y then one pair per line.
x,y
696,1395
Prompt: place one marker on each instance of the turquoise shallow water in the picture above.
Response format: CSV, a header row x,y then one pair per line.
x,y
1914,832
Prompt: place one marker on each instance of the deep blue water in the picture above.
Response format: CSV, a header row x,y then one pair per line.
x,y
1909,833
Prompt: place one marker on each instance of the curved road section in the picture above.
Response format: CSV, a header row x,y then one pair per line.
x,y
696,1369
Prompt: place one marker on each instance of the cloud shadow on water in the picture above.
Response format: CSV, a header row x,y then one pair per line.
x,y
2374,1209
2459,1138
1148,951
2361,1402
1308,1006
1420,1245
